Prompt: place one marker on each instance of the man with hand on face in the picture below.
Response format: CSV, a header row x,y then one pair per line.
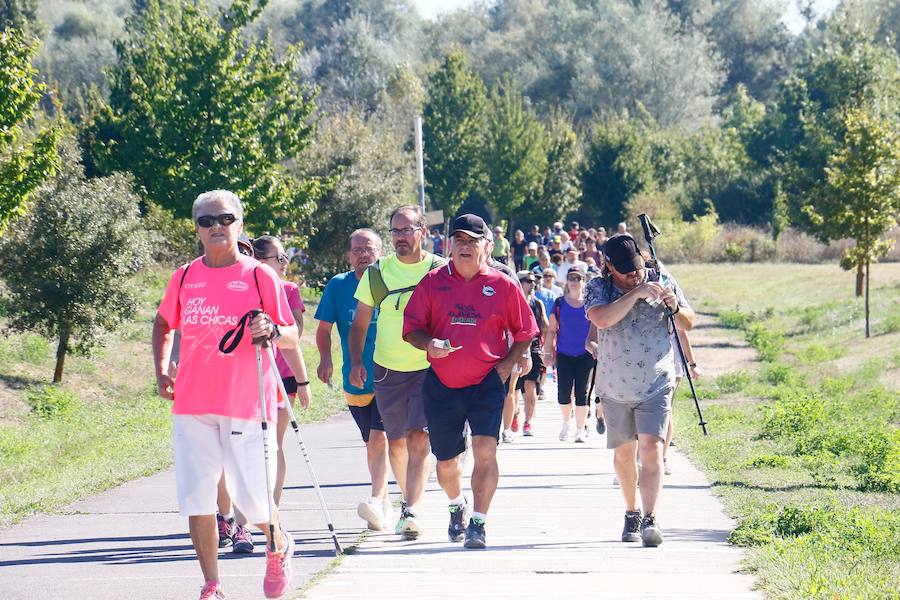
x,y
399,367
628,305
460,315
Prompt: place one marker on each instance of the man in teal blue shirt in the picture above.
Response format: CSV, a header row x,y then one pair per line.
x,y
338,306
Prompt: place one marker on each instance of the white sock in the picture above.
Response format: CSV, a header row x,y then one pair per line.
x,y
229,516
481,516
459,500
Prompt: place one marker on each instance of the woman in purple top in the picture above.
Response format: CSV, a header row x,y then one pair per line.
x,y
568,332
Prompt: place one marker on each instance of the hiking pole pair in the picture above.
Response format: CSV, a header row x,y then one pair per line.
x,y
650,233
259,344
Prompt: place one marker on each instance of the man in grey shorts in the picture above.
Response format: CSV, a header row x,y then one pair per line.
x,y
400,368
636,373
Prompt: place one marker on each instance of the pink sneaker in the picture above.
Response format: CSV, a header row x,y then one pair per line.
x,y
278,569
212,591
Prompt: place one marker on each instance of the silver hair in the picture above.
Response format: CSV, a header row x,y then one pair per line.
x,y
218,195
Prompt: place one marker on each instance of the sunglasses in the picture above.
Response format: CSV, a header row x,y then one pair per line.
x,y
282,258
225,219
574,278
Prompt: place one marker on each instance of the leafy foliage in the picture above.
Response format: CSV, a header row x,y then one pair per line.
x,y
194,108
68,261
25,161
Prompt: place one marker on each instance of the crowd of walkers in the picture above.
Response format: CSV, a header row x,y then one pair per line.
x,y
439,355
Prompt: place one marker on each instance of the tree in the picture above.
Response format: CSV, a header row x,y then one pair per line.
x,y
862,193
18,14
25,161
453,130
560,191
67,262
618,166
194,107
514,158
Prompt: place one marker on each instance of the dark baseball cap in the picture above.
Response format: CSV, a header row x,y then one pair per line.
x,y
622,251
471,225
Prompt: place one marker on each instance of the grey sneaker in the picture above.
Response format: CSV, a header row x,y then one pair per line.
x,y
474,535
456,531
632,530
651,534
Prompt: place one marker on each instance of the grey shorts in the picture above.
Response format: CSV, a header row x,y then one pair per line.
x,y
400,402
649,417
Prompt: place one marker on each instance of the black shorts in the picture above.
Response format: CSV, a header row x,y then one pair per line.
x,y
367,418
290,385
448,409
537,369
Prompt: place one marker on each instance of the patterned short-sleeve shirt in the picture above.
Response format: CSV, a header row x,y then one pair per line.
x,y
635,357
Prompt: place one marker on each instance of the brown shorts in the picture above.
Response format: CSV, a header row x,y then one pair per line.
x,y
648,417
399,398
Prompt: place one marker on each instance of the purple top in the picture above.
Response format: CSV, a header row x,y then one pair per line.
x,y
573,329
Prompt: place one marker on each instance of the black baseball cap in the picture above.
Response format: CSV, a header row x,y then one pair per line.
x,y
471,225
622,251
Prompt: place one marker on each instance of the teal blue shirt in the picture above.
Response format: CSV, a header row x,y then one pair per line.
x,y
338,306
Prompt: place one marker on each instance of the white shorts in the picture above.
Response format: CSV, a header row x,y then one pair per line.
x,y
205,445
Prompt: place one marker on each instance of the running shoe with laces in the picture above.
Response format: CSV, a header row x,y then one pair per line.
x,y
278,569
212,591
632,530
243,540
456,531
564,432
412,529
666,469
651,534
514,425
226,530
372,512
401,520
601,425
475,534
507,436
526,429
580,437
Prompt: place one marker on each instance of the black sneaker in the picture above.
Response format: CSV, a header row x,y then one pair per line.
x,y
632,530
601,426
651,534
457,529
474,535
226,529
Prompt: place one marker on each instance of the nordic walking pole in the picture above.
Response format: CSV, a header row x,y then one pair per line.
x,y
270,486
650,232
290,410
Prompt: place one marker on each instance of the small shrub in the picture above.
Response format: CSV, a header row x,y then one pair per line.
x,y
51,402
816,353
733,319
880,470
736,381
767,343
779,374
799,520
890,325
836,386
774,461
792,417
34,349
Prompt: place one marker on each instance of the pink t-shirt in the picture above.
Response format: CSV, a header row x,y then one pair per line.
x,y
295,302
207,304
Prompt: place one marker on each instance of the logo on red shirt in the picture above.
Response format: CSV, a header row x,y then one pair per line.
x,y
488,291
238,286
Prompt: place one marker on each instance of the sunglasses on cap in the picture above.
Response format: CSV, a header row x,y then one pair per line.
x,y
225,219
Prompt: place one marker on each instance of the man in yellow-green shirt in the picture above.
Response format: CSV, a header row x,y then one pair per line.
x,y
399,367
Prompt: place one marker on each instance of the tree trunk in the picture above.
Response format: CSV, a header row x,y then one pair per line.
x,y
860,276
868,262
61,351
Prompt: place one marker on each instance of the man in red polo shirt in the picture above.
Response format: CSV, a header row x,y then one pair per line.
x,y
460,315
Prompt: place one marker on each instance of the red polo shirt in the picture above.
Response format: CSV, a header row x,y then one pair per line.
x,y
474,314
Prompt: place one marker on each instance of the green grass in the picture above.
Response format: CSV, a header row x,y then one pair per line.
x,y
104,425
805,450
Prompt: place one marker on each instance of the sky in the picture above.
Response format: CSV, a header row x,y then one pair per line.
x,y
432,8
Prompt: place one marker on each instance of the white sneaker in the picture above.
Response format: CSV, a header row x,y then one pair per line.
x,y
666,468
564,432
372,512
580,437
507,436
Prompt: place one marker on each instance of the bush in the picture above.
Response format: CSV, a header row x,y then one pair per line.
x,y
733,319
794,416
767,343
774,461
799,520
781,375
51,402
740,243
880,469
733,382
172,240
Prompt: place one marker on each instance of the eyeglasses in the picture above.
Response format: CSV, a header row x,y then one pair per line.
x,y
282,258
402,232
360,250
225,219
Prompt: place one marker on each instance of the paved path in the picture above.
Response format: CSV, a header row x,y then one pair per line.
x,y
553,533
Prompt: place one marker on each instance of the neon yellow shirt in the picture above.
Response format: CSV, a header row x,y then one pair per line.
x,y
390,350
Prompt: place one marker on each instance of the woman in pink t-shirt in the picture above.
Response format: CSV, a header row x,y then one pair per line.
x,y
216,412
269,251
